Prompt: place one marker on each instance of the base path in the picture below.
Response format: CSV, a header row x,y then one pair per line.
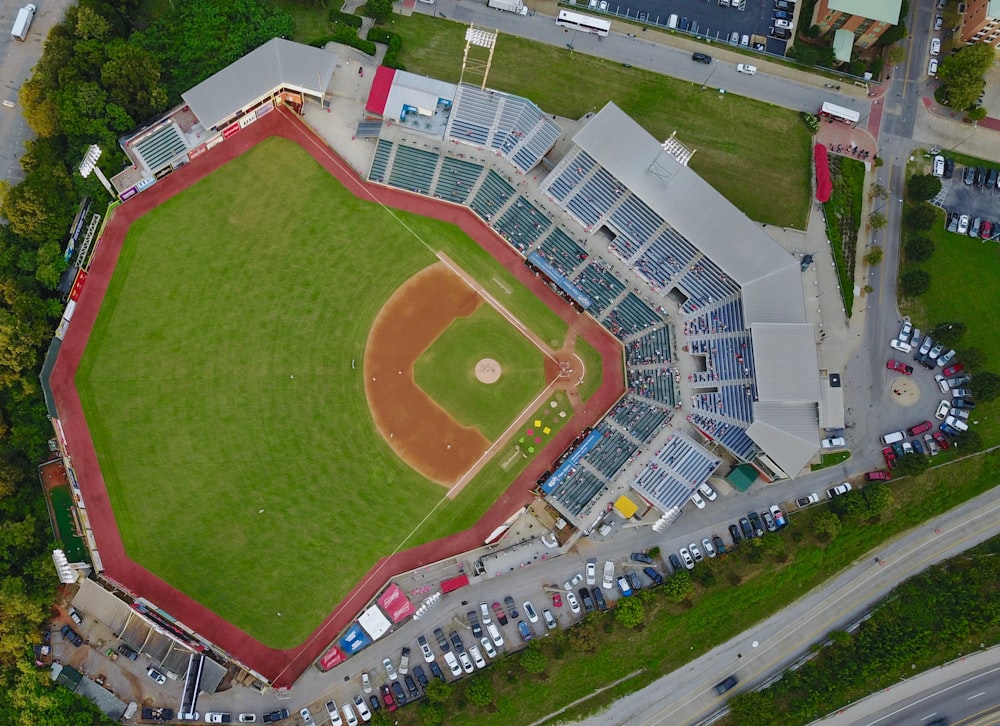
x,y
282,667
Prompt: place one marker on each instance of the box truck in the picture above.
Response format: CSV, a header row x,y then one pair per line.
x,y
509,6
23,21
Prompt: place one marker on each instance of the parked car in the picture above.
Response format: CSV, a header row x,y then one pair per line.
x,y
890,457
698,501
333,711
900,346
778,515
477,629
963,403
905,331
941,439
442,641
935,46
456,641
400,696
491,650
706,491
574,604
834,443
653,574
508,602
746,68
952,369
387,698
701,58
900,367
942,410
389,670
746,528
609,575
641,557
686,558
588,602
529,610
500,615
945,358
219,717
404,661
838,490
624,587
758,526
807,500
156,676
307,716
127,651
769,524
695,552
495,635
425,650
466,661
706,544
421,676
477,657
71,635
919,428
878,475
734,534
274,716
591,572
550,621
963,221
362,708
599,600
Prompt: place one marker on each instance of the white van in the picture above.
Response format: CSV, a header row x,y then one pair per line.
x,y
894,437
672,21
22,22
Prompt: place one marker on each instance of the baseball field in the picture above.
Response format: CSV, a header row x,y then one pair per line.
x,y
228,379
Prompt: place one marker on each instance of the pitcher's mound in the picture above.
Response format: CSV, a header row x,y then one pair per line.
x,y
488,371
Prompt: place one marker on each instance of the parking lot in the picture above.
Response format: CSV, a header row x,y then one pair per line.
x,y
707,18
972,201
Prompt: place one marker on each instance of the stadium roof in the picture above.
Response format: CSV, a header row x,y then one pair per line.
x,y
787,432
276,64
409,89
885,11
796,378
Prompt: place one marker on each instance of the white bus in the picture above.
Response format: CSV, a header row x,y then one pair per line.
x,y
586,23
846,115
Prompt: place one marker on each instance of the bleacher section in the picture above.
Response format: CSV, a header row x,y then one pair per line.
x,y
705,284
598,282
630,316
160,147
730,435
635,224
653,347
492,195
675,471
382,152
522,224
560,250
595,199
640,418
413,169
456,180
723,318
574,170
510,125
611,453
666,257
578,490
656,384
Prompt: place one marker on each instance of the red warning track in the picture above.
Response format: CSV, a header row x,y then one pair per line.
x,y
282,667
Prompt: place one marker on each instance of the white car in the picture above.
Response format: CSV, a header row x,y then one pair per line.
x,y
706,491
609,575
695,552
334,713
529,610
222,718
942,410
900,346
477,656
248,718
577,579
491,651
363,711
698,501
591,572
349,716
452,662
389,670
550,621
366,680
574,604
938,165
709,549
905,331
484,615
942,382
833,443
957,423
307,717
838,490
466,662
404,662
932,67
495,636
746,68
935,46
425,650
686,558
963,221
783,24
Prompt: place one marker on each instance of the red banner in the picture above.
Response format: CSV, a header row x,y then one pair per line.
x,y
230,130
81,278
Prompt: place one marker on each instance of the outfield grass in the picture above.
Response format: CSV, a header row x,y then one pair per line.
x,y
446,371
594,372
977,265
218,387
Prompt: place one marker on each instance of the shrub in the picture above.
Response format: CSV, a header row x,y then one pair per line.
x,y
336,16
921,216
394,43
919,248
346,36
922,187
914,283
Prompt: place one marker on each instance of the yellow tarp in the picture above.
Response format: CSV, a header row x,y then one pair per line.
x,y
626,507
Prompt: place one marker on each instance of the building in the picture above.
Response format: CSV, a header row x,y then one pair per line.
x,y
867,19
981,22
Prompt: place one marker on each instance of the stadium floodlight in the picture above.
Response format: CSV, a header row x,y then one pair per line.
x,y
478,38
89,164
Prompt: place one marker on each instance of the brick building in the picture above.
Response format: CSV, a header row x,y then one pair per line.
x,y
867,19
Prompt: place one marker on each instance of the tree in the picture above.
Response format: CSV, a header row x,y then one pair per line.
x,y
131,76
969,441
773,545
679,587
912,464
431,714
874,255
914,283
438,691
826,526
986,386
878,496
921,216
751,708
479,691
378,9
878,220
582,638
961,73
922,187
976,114
654,552
629,612
919,248
896,55
877,191
532,659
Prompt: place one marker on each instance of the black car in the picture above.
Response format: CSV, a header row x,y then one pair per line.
x,y
806,261
758,526
477,629
127,652
376,704
634,580
602,604
588,602
436,671
71,635
397,691
280,715
949,168
418,671
991,178
456,640
641,557
411,686
720,546
701,58
980,176
726,685
442,641
734,532
746,528
654,575
963,403
511,608
675,563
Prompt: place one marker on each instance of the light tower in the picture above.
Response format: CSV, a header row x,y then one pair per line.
x,y
89,164
478,38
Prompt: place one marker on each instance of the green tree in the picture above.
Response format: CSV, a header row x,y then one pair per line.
x,y
914,283
826,526
874,255
986,385
921,216
878,496
969,441
131,77
922,187
438,691
378,9
629,612
877,191
582,638
479,691
39,107
961,73
751,708
878,221
976,114
431,714
919,248
679,587
911,464
851,505
532,659
896,55
654,552
773,545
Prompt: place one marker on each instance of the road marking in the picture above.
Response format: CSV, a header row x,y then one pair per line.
x,y
931,715
981,693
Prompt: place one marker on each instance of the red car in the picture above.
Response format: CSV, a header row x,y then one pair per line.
x,y
557,599
952,370
390,702
987,229
878,476
899,366
941,439
500,614
890,456
920,428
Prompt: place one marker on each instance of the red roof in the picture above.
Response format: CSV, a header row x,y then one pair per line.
x,y
395,604
454,583
380,90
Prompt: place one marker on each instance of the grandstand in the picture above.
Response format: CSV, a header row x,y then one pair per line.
x,y
675,471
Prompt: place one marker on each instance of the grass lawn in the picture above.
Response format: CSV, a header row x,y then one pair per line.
x,y
594,370
219,391
977,265
693,627
446,371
